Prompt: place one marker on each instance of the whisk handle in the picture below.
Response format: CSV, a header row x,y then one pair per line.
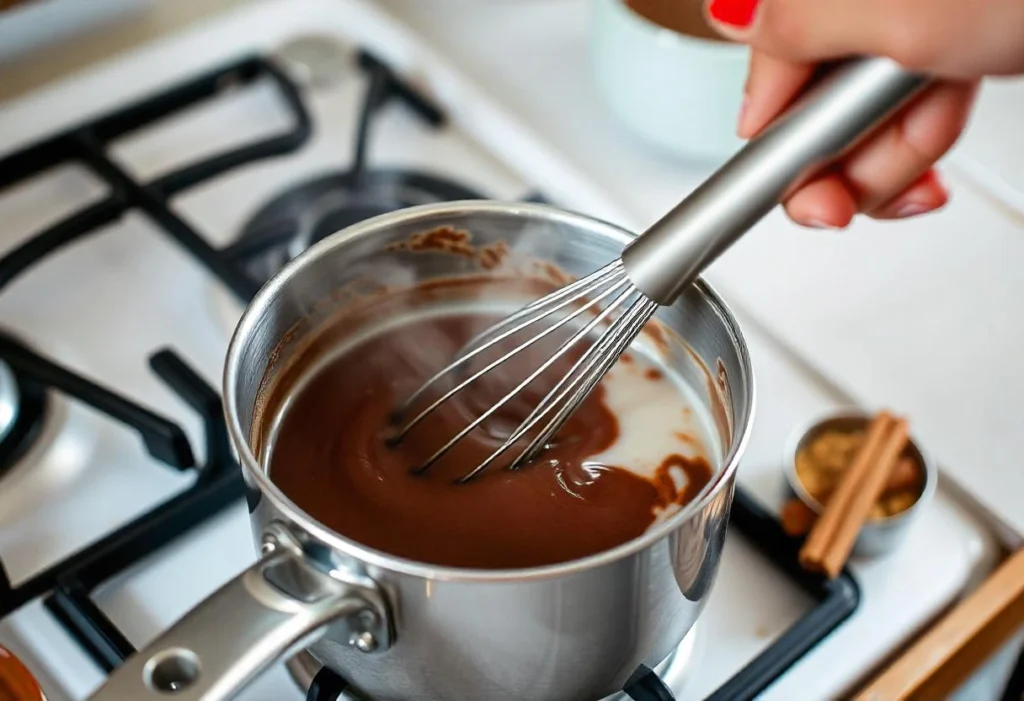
x,y
825,123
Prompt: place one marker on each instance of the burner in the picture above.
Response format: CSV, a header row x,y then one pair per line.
x,y
672,673
23,405
304,214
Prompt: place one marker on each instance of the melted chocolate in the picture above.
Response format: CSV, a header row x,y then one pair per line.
x,y
332,457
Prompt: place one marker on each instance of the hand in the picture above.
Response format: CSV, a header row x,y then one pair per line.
x,y
889,176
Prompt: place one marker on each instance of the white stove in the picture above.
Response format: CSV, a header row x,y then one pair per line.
x,y
103,305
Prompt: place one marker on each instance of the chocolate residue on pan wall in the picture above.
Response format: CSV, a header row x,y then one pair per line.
x,y
550,271
448,239
719,392
493,255
445,239
653,374
721,406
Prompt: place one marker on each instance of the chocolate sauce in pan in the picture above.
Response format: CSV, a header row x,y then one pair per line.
x,y
331,455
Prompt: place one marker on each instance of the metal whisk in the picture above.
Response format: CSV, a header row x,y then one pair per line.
x,y
656,267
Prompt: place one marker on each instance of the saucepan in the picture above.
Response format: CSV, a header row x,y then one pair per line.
x,y
399,629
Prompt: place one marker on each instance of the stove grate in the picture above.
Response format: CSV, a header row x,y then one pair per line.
x,y
67,585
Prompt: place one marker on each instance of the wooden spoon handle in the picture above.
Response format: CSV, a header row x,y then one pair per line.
x,y
945,656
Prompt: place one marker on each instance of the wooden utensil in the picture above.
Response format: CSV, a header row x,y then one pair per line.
x,y
944,657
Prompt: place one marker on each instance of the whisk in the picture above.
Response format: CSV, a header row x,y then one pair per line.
x,y
656,267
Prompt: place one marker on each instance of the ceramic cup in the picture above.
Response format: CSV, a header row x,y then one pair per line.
x,y
681,93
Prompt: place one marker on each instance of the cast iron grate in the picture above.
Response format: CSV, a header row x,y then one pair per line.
x,y
67,585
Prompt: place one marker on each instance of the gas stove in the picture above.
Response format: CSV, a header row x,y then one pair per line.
x,y
137,228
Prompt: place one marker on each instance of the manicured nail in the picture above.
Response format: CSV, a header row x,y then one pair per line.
x,y
735,13
934,180
912,209
821,224
933,176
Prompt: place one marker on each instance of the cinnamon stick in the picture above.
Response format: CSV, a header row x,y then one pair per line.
x,y
812,554
870,489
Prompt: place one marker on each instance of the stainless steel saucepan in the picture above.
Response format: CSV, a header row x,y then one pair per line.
x,y
403,630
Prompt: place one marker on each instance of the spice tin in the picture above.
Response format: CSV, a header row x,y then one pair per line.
x,y
878,536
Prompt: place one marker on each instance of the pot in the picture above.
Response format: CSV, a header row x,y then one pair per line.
x,y
398,629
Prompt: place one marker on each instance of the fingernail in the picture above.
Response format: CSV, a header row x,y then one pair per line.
x,y
735,13
912,209
821,224
933,179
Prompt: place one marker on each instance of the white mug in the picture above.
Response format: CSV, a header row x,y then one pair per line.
x,y
681,93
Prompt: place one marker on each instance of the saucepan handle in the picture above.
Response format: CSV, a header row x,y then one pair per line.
x,y
249,623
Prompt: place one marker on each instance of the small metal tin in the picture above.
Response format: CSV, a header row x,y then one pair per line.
x,y
876,537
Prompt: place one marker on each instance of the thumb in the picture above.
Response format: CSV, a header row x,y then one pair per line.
x,y
949,38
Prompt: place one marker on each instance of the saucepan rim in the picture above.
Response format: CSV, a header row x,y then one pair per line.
x,y
254,472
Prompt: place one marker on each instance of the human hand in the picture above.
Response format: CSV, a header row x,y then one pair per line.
x,y
890,175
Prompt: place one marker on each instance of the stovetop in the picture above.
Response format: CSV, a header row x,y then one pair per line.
x,y
275,234
132,240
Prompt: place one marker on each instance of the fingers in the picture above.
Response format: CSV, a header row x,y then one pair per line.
x,y
772,84
824,203
926,194
950,38
828,202
887,177
894,158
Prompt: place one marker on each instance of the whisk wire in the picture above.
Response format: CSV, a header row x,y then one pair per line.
x,y
492,365
469,351
555,299
550,400
612,345
562,349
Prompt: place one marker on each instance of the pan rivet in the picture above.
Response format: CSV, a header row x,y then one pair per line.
x,y
268,545
364,642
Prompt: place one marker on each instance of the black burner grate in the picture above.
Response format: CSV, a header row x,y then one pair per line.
x,y
67,585
305,213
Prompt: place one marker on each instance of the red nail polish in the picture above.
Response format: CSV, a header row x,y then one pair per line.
x,y
737,13
934,181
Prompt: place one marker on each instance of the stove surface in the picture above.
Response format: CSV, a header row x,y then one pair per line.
x,y
103,305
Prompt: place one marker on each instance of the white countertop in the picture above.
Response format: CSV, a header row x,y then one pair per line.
x,y
918,316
